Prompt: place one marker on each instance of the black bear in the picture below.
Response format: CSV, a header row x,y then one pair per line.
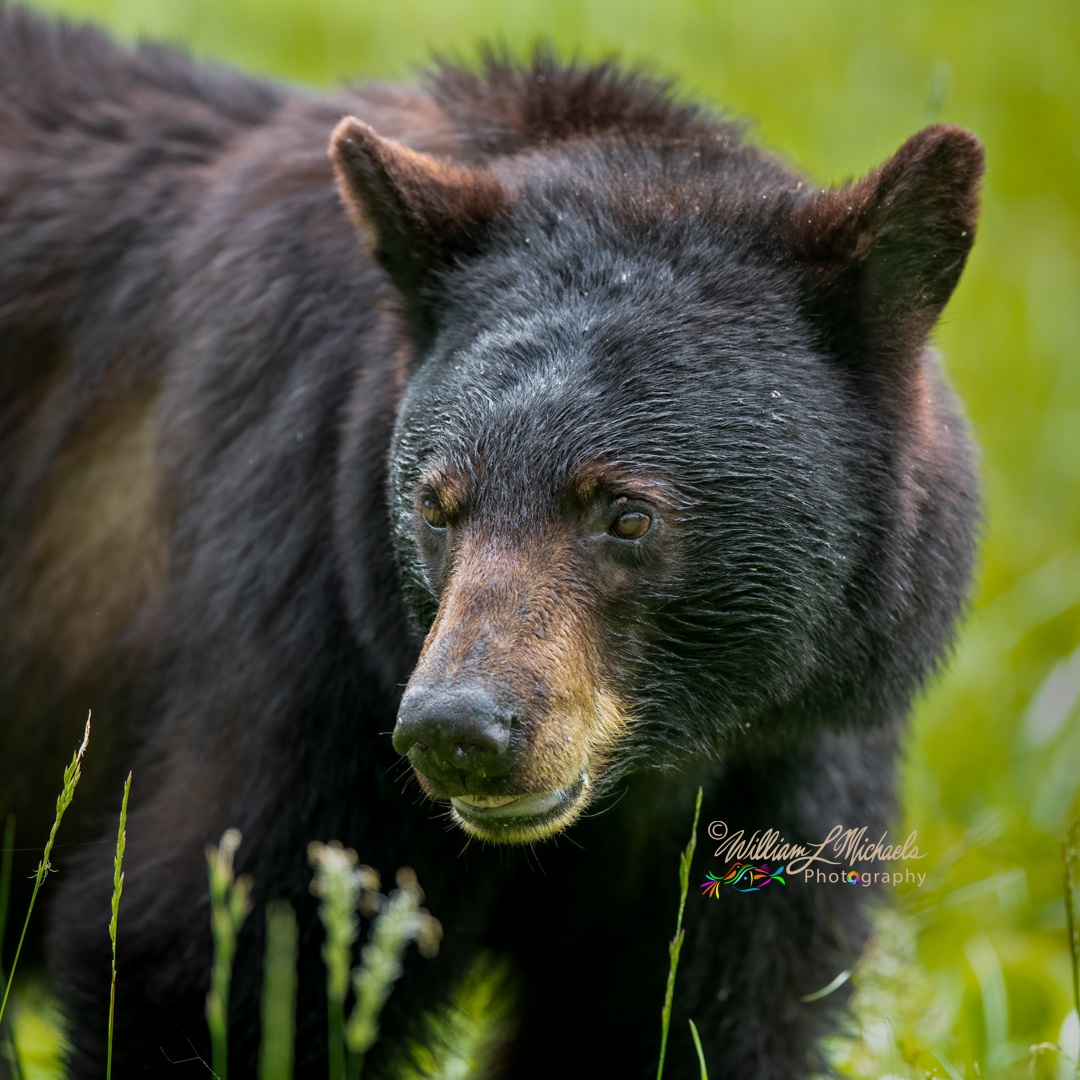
x,y
547,435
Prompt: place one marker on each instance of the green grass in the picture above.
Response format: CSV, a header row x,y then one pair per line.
x,y
279,993
230,905
973,969
345,888
67,793
675,947
118,888
340,882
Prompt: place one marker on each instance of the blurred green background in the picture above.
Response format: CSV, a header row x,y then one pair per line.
x,y
970,972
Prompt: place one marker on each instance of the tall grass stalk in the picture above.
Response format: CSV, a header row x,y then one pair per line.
x,y
63,801
279,993
346,888
339,883
401,920
118,888
676,942
230,903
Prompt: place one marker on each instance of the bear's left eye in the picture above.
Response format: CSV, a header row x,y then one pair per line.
x,y
632,525
433,514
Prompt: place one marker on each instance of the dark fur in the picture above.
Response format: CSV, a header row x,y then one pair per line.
x,y
211,533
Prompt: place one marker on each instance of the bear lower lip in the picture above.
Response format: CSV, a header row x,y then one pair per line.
x,y
493,802
508,806
517,818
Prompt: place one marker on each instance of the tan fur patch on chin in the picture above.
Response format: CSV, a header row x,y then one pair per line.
x,y
525,833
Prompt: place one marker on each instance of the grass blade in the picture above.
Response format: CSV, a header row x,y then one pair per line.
x,y
230,903
700,1052
279,993
63,801
676,942
339,882
118,888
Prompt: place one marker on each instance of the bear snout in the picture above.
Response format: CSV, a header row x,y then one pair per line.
x,y
457,737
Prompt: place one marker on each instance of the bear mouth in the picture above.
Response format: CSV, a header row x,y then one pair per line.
x,y
517,819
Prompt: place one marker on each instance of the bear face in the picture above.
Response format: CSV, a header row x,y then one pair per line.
x,y
594,519
661,412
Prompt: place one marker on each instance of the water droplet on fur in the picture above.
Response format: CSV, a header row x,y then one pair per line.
x,y
776,393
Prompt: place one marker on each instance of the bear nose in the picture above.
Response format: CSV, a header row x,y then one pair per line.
x,y
460,736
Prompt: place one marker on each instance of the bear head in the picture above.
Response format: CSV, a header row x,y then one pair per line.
x,y
674,470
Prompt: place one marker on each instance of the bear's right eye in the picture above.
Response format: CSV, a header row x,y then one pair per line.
x,y
433,514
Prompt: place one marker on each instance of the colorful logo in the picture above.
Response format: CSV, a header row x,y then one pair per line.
x,y
743,877
852,878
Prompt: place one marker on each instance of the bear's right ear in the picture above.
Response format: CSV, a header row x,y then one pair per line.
x,y
425,212
882,256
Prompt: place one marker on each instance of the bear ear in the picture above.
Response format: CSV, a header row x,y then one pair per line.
x,y
884,254
425,212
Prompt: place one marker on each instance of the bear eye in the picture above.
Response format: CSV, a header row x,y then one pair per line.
x,y
433,514
632,525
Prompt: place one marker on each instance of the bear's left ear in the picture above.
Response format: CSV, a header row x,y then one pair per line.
x,y
425,212
883,255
